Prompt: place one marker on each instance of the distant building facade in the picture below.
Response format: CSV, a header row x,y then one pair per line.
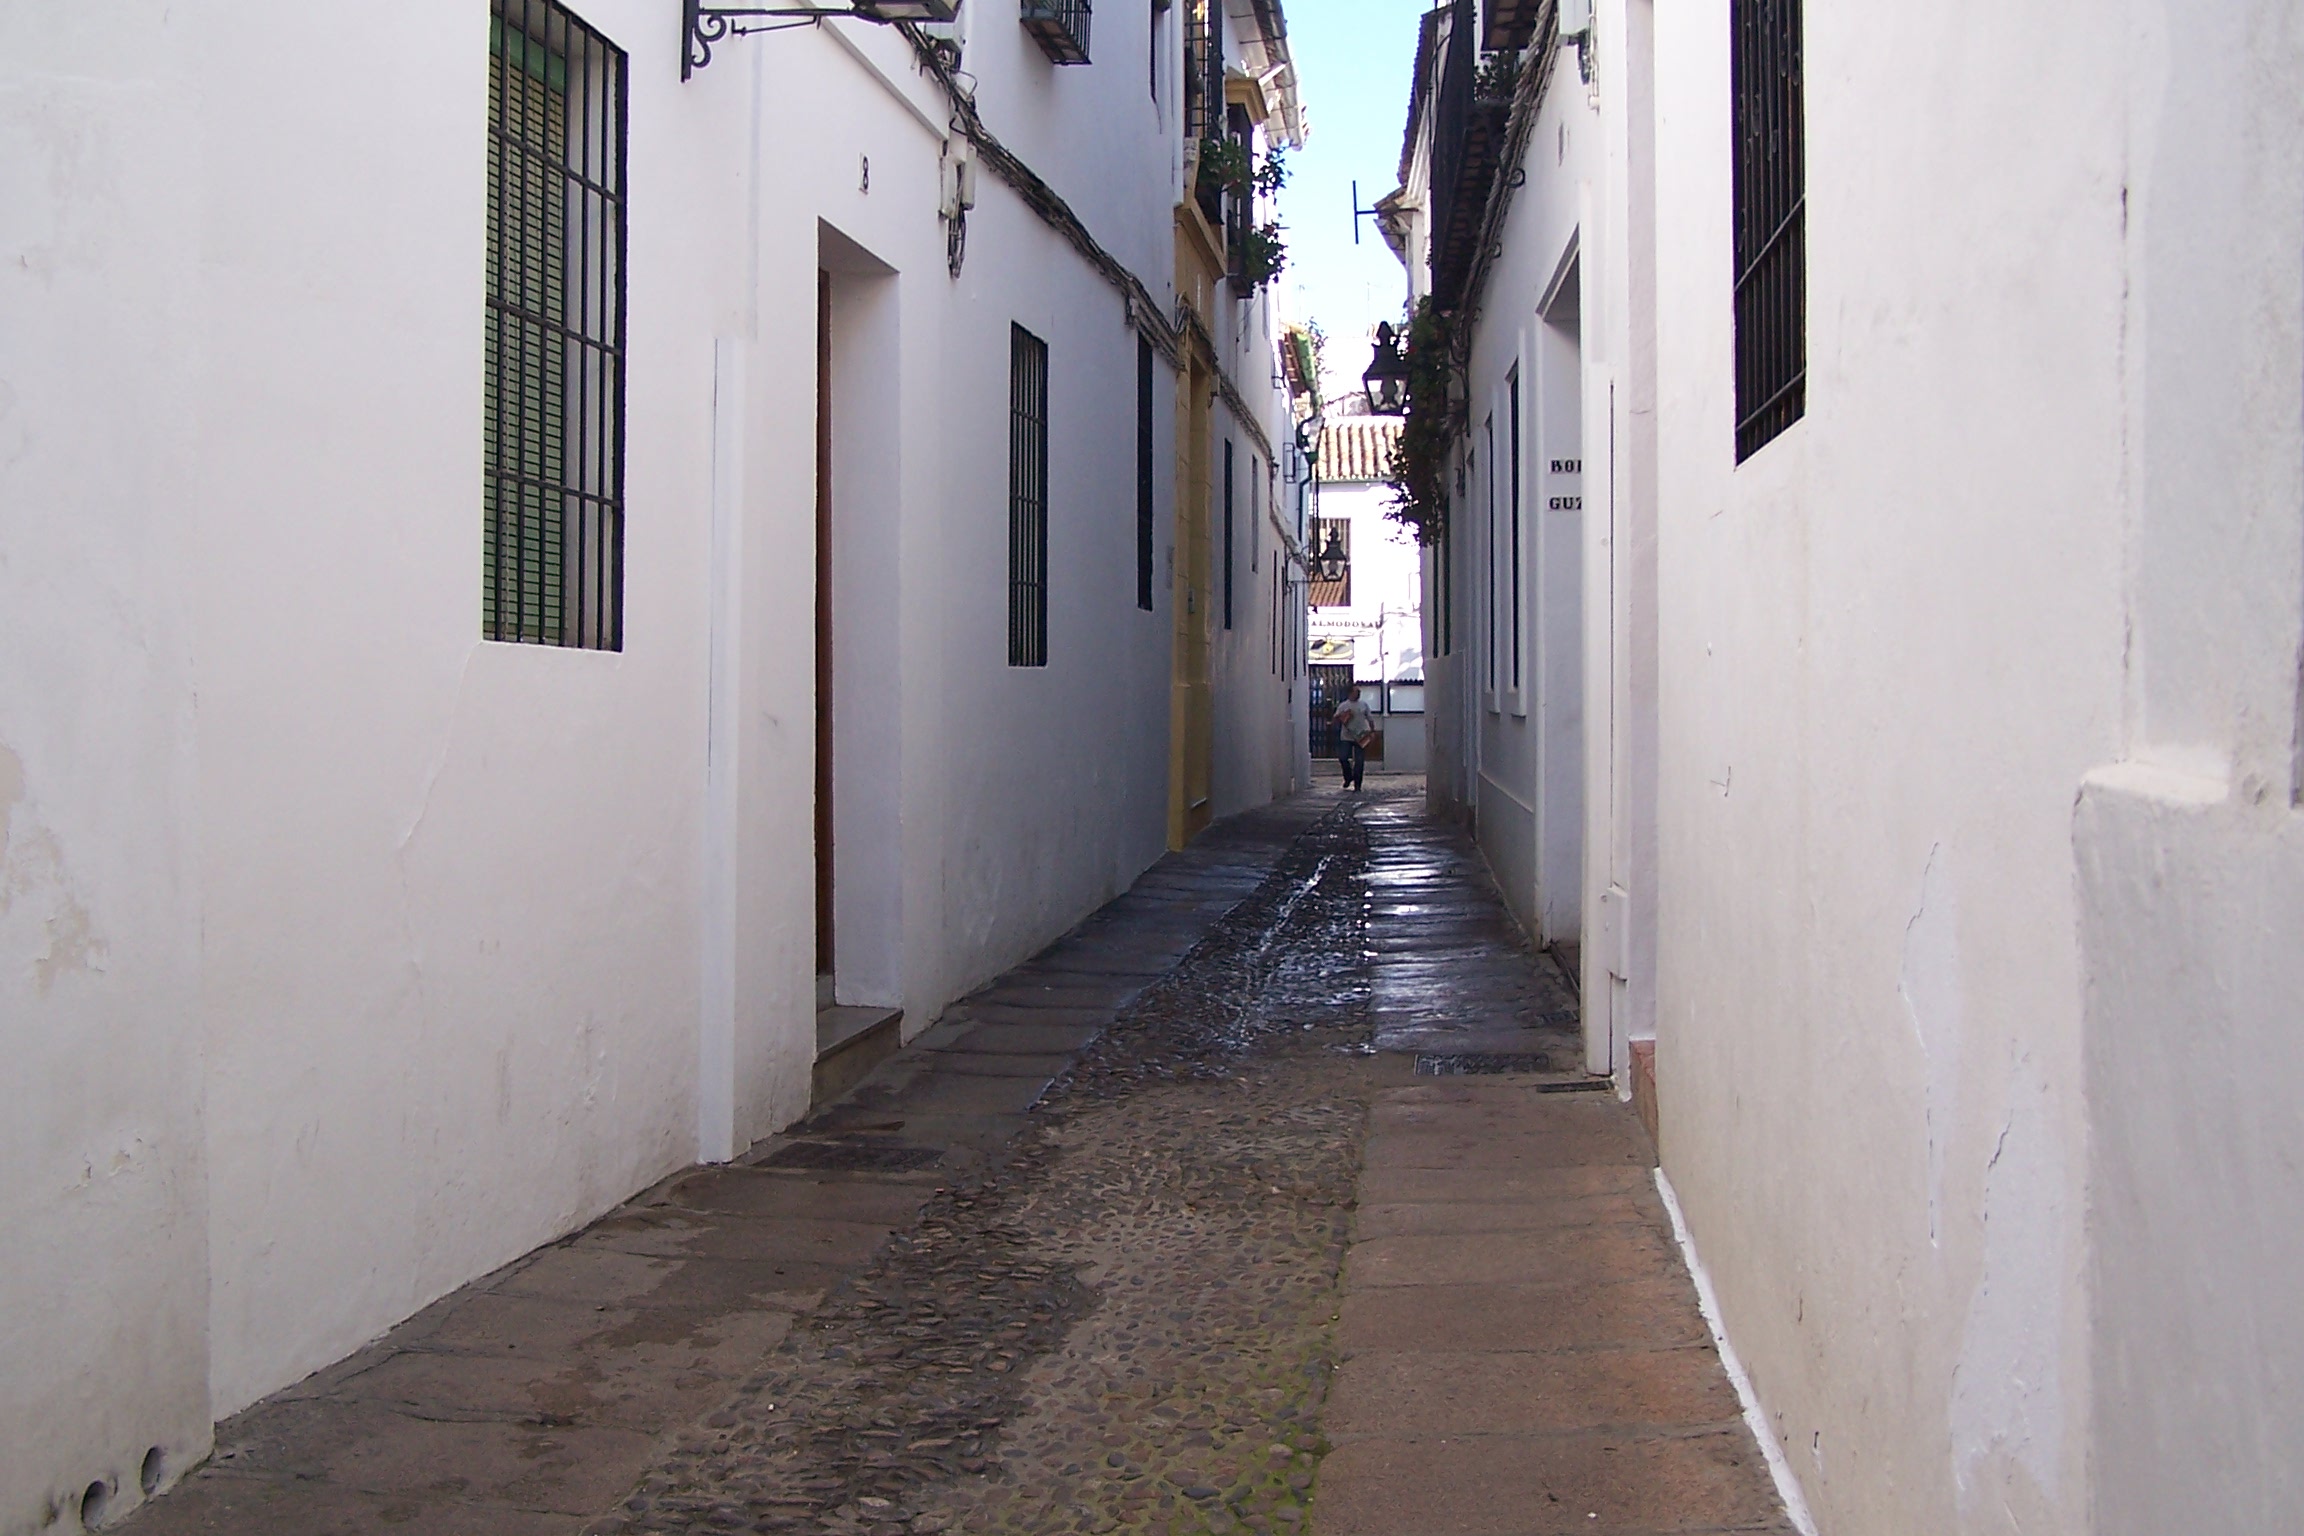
x,y
1366,626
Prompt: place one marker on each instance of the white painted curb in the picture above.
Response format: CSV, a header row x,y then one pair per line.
x,y
1787,1486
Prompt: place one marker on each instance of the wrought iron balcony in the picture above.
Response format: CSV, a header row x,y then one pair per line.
x,y
1060,27
1513,24
1472,111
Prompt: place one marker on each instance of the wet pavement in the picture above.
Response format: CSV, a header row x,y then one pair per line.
x,y
1270,1199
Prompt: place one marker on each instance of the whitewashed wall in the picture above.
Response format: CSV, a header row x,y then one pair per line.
x,y
2023,586
345,956
103,1157
1523,750
1261,745
2190,848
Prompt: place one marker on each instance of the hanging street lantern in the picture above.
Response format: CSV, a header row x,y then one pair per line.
x,y
1308,441
1333,561
1387,377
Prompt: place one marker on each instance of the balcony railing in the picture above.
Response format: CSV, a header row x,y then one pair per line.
x,y
1472,111
1204,92
1060,27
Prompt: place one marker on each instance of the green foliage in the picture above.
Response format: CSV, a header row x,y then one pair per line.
x,y
1419,469
1272,175
1226,163
1262,255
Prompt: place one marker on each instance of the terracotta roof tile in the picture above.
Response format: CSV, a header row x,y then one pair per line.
x,y
1358,448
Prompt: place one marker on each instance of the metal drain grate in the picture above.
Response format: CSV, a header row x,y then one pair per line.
x,y
854,1157
1474,1063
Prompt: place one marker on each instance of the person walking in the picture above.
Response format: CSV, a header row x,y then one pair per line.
x,y
1355,725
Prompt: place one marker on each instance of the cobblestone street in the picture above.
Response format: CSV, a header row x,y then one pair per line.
x,y
1271,1199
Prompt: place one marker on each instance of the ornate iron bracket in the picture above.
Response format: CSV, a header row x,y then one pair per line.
x,y
703,25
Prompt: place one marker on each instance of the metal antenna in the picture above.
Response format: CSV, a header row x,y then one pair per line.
x,y
1358,212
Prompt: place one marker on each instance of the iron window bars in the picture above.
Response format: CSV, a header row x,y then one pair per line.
x,y
1231,537
1512,471
1239,204
1204,91
552,548
1144,461
1060,27
1027,499
1770,233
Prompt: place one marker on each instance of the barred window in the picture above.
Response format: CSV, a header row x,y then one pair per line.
x,y
1144,450
1230,538
1027,499
1512,473
552,545
1444,582
1771,238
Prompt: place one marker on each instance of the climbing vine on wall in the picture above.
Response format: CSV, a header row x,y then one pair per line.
x,y
1419,470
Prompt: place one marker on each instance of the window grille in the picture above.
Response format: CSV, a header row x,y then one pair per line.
x,y
1230,539
1060,27
1238,206
1770,235
1512,382
552,545
1255,513
1203,68
1488,626
1204,91
1446,582
1027,499
1144,450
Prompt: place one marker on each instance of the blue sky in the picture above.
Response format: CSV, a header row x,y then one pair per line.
x,y
1353,63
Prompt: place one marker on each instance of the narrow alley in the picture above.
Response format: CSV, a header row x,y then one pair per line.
x,y
682,842
1272,1198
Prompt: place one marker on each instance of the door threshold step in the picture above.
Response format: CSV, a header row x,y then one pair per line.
x,y
849,1043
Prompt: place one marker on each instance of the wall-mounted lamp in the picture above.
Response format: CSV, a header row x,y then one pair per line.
x,y
1308,442
1333,561
703,25
1576,27
1387,377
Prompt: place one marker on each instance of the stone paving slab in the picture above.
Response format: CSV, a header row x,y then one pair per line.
x,y
1511,1318
215,1504
1531,1485
999,1011
1433,1394
988,1063
1540,1256
1547,1214
1431,1186
365,1447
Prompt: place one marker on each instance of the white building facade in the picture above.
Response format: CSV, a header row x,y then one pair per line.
x,y
1367,626
1505,578
1943,497
463,516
